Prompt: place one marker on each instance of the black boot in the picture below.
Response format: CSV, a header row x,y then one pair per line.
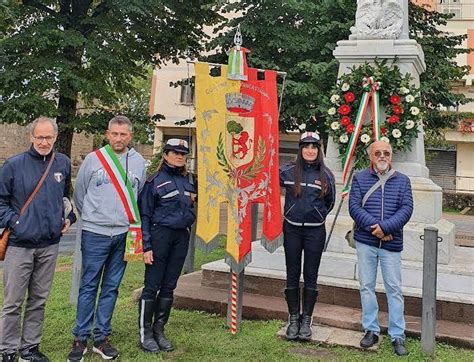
x,y
162,313
293,301
309,299
146,309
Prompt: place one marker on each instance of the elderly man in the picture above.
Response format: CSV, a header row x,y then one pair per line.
x,y
106,189
387,207
35,233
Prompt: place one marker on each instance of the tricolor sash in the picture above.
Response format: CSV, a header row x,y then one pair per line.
x,y
123,186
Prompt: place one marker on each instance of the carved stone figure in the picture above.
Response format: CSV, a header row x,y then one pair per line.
x,y
378,19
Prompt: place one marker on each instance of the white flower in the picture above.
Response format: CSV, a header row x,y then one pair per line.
x,y
345,87
410,124
365,138
409,98
302,126
335,98
404,90
335,126
385,139
396,133
414,111
343,138
332,111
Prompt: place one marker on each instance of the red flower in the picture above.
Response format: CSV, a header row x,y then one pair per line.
x,y
344,109
397,109
383,130
395,99
350,128
349,97
345,121
393,119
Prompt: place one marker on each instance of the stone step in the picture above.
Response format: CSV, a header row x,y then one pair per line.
x,y
343,292
191,294
333,336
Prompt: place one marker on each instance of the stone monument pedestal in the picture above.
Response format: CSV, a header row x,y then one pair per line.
x,y
339,265
427,196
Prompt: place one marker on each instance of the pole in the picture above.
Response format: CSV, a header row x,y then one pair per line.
x,y
77,266
428,318
338,211
254,212
234,300
189,262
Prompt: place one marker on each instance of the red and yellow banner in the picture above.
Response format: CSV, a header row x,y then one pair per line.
x,y
237,137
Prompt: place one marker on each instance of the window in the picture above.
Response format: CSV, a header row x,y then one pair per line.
x,y
187,94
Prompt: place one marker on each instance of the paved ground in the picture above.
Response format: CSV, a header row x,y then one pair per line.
x,y
464,231
66,245
464,228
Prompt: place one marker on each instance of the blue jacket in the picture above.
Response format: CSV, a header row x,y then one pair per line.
x,y
391,208
308,209
42,222
167,199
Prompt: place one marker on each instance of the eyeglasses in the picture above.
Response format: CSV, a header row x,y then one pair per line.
x,y
40,139
380,153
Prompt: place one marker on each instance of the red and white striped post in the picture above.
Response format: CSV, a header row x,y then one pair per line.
x,y
234,302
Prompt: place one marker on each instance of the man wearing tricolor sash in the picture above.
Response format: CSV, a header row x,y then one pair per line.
x,y
105,194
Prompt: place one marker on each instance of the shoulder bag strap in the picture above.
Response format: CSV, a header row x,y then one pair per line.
x,y
38,186
375,186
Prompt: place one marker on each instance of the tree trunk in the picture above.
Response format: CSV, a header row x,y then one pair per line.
x,y
67,111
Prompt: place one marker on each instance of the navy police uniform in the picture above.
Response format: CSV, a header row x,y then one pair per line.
x,y
167,211
304,223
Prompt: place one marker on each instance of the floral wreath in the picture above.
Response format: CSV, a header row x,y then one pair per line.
x,y
400,99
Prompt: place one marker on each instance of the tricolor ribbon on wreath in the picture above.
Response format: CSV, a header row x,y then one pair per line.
x,y
371,95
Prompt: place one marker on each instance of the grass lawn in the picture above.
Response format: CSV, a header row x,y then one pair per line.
x,y
200,336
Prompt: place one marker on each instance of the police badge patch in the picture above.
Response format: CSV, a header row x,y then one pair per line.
x,y
58,176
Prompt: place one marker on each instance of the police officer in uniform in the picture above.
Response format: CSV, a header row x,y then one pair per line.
x,y
310,194
167,212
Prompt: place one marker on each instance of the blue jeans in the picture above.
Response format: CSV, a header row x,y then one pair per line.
x,y
102,257
391,266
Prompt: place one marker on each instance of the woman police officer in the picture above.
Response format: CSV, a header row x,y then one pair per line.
x,y
167,211
310,195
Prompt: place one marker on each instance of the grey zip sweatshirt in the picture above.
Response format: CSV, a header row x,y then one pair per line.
x,y
96,198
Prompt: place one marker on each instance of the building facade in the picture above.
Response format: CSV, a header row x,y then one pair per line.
x,y
176,103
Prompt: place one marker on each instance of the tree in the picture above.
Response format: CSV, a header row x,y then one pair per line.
x,y
296,37
441,49
79,60
299,37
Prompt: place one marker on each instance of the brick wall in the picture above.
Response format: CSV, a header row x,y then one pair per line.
x,y
14,139
81,146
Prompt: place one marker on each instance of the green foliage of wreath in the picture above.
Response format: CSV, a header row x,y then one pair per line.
x,y
398,97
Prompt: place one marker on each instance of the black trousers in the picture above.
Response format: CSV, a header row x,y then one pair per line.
x,y
170,247
296,240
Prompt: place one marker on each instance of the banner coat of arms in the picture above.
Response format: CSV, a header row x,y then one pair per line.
x,y
237,134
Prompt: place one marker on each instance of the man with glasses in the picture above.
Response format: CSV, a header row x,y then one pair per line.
x,y
387,207
106,179
33,243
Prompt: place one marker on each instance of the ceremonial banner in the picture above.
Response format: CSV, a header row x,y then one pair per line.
x,y
237,137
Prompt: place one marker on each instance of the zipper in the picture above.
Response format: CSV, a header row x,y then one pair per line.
x,y
321,215
292,206
383,192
